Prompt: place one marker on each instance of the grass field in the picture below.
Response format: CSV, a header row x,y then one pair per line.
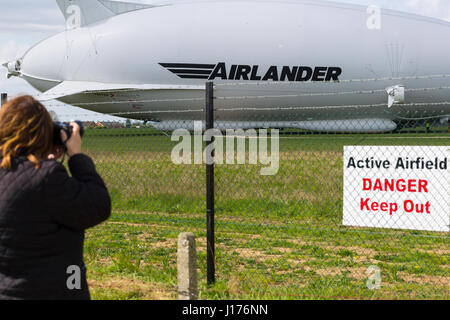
x,y
277,237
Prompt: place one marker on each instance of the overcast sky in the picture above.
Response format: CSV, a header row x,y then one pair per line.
x,y
25,22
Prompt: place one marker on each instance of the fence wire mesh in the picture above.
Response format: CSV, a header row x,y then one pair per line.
x,y
278,236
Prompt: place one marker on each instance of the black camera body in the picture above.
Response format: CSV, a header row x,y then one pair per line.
x,y
58,126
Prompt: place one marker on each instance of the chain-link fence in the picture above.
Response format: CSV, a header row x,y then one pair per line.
x,y
294,235
286,224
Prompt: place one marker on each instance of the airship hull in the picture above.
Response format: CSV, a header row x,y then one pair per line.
x,y
271,61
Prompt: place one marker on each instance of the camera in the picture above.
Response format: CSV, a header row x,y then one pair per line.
x,y
58,126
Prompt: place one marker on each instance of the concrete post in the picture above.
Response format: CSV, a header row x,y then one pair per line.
x,y
187,267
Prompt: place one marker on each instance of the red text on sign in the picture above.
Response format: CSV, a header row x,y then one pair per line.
x,y
400,185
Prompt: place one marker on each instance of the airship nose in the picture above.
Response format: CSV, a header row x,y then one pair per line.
x,y
41,65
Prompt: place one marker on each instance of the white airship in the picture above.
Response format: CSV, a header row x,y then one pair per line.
x,y
305,64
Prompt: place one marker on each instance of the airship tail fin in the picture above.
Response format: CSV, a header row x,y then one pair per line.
x,y
79,13
70,88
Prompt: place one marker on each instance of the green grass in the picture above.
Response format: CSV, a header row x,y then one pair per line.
x,y
277,237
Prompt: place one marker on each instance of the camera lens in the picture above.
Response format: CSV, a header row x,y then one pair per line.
x,y
58,126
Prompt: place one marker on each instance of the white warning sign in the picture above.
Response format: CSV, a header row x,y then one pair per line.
x,y
400,187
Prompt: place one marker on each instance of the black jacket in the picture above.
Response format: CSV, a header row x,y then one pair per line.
x,y
43,215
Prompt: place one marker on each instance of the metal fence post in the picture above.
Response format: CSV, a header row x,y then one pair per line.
x,y
210,256
4,99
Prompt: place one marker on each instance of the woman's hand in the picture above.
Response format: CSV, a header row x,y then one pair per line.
x,y
73,145
57,152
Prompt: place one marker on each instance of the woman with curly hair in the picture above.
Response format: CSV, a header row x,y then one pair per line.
x,y
44,211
